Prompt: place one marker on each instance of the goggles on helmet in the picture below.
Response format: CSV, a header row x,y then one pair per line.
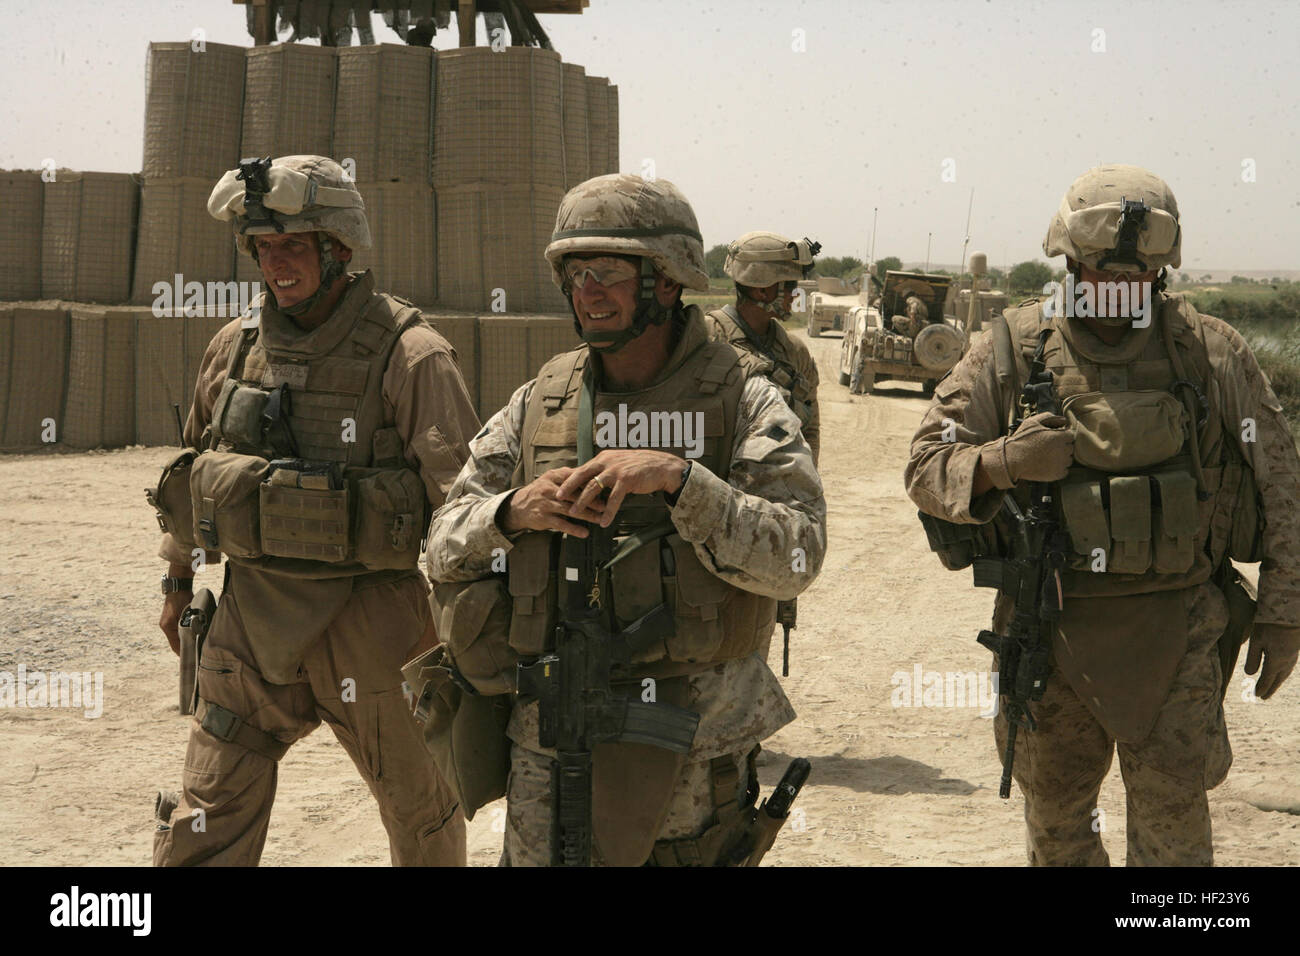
x,y
1121,232
607,270
257,190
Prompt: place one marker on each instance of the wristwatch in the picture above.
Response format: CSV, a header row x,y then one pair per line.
x,y
173,585
672,498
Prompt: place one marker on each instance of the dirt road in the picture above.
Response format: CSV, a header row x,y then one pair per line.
x,y
891,785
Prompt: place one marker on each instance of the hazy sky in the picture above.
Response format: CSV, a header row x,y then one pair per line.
x,y
803,116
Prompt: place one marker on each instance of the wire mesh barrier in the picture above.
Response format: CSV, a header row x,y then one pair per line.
x,y
88,236
178,237
289,93
21,195
194,101
383,112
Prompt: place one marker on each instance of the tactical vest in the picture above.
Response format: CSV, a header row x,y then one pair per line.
x,y
799,393
299,474
714,621
1140,514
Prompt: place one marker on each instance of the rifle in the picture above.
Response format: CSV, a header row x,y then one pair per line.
x,y
577,707
1033,576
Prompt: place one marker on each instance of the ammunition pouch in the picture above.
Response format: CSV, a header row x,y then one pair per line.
x,y
249,507
464,731
1125,431
171,499
1138,522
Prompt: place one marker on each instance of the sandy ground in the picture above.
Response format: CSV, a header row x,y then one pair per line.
x,y
890,785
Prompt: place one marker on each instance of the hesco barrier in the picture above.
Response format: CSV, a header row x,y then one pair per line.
x,y
193,109
512,348
611,129
573,103
21,196
169,351
382,113
35,372
497,117
289,100
88,236
100,407
403,231
178,236
493,237
598,126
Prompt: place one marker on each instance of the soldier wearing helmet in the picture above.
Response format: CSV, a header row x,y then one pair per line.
x,y
767,268
1169,458
704,526
327,423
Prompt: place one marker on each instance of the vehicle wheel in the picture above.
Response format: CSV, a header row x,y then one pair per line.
x,y
813,331
868,384
927,387
844,378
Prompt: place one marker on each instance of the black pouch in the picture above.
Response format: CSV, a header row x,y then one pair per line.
x,y
958,545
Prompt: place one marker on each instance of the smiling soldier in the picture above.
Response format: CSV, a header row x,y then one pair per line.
x,y
718,538
324,430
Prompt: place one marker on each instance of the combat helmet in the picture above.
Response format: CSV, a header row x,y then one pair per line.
x,y
293,194
759,259
631,216
1117,218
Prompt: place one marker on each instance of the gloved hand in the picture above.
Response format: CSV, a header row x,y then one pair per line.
x,y
1041,449
1279,647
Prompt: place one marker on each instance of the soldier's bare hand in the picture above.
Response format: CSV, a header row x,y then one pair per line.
x,y
537,507
598,488
173,605
1279,647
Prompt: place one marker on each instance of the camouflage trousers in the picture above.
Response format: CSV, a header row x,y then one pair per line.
x,y
529,806
1060,766
351,680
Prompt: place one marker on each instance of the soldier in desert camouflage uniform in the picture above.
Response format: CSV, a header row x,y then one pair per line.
x,y
766,269
1172,456
623,249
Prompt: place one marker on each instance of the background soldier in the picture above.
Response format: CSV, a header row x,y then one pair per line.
x,y
1172,456
767,269
354,396
717,533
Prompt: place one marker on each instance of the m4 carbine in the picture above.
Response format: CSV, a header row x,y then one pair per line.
x,y
1032,576
577,707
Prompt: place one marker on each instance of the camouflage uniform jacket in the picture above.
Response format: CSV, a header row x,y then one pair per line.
x,y
743,527
778,346
940,474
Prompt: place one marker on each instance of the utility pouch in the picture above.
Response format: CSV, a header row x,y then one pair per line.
x,y
473,619
193,628
391,518
171,499
695,597
1124,431
958,545
1176,521
1130,525
304,512
1085,520
237,414
224,495
464,733
533,589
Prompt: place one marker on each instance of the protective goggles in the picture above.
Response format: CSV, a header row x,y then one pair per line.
x,y
800,252
1097,229
605,270
279,189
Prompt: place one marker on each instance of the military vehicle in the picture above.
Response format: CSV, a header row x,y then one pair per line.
x,y
830,303
903,334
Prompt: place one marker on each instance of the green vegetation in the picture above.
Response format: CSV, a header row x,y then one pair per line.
x,y
1268,317
1028,278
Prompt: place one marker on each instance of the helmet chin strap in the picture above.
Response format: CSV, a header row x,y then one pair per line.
x,y
648,312
330,270
774,307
